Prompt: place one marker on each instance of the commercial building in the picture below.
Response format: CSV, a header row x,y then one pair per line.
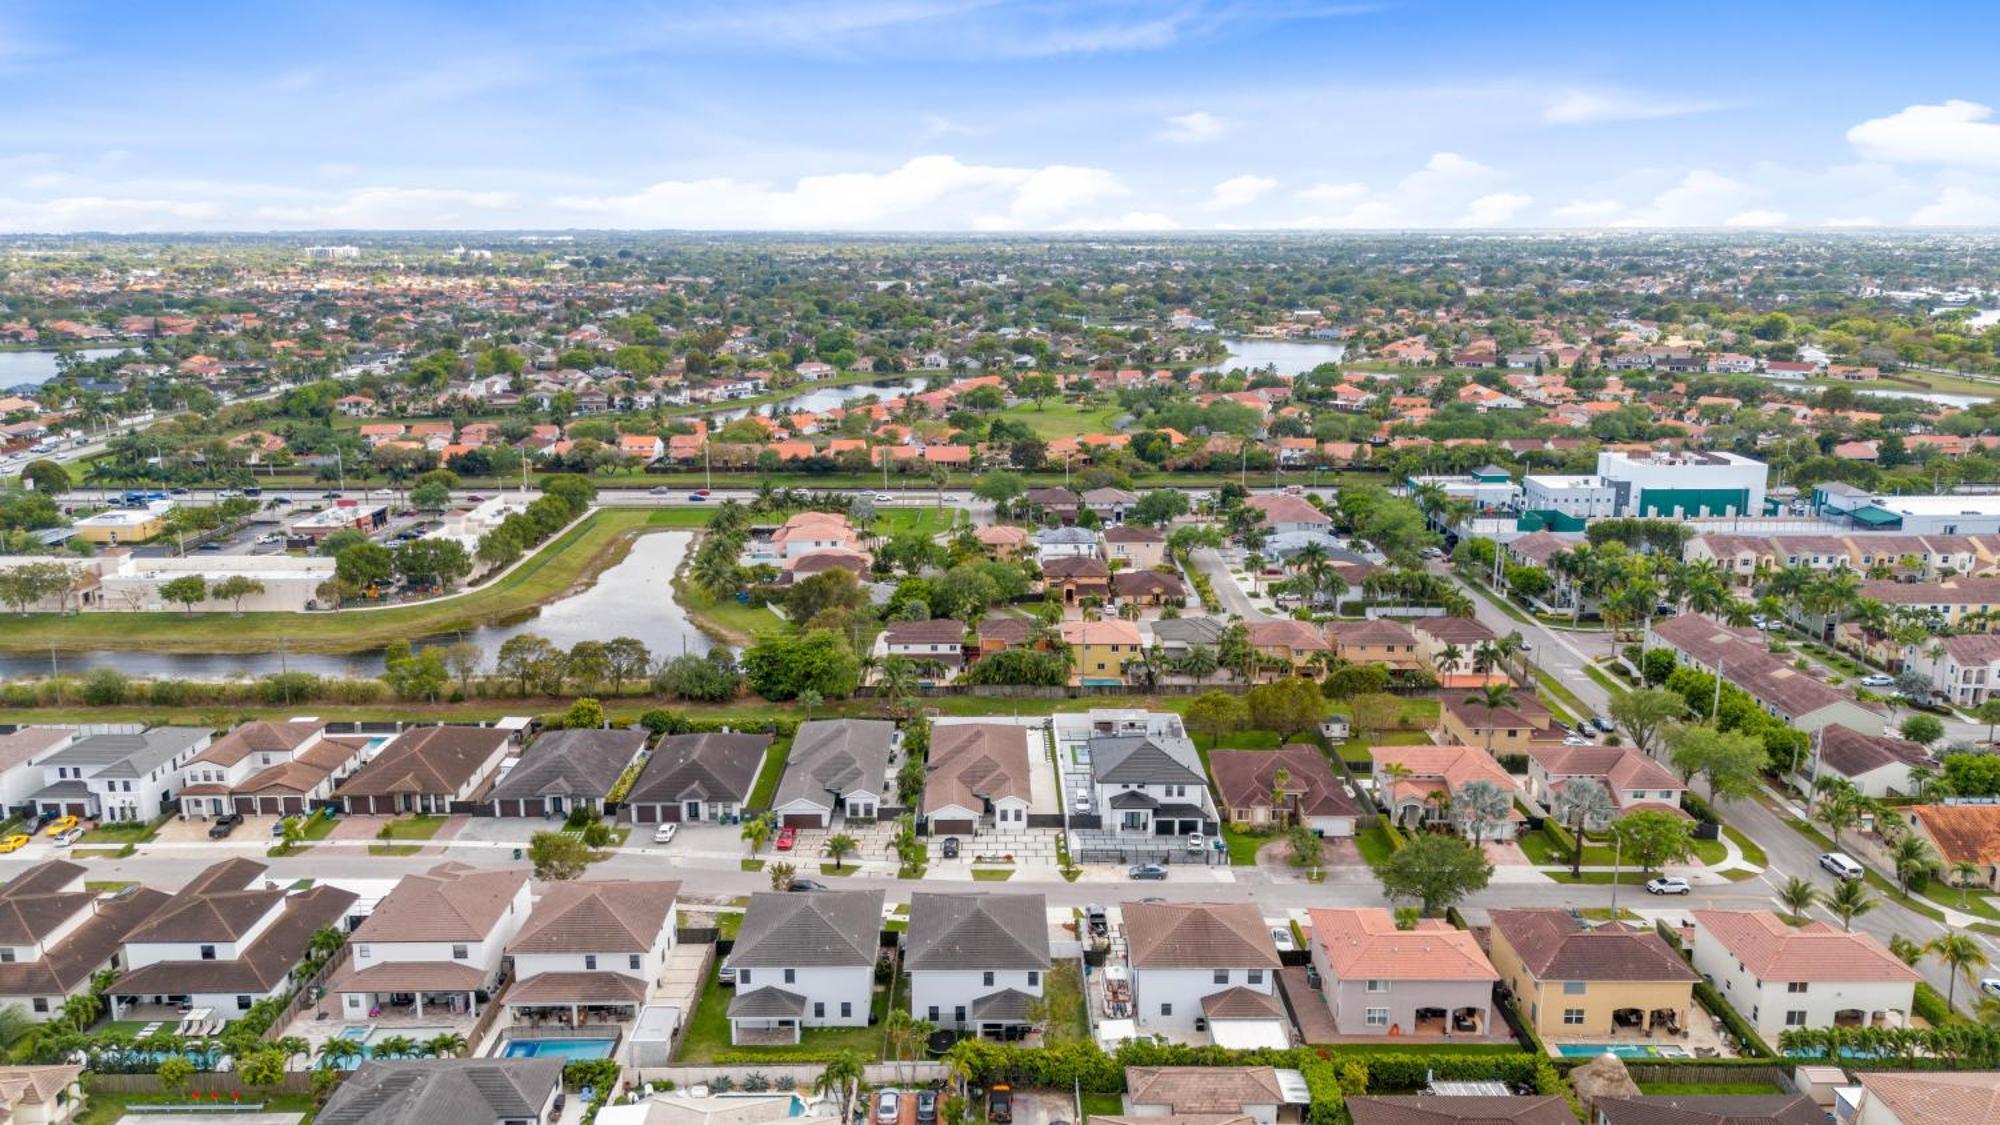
x,y
1684,483
120,525
1949,514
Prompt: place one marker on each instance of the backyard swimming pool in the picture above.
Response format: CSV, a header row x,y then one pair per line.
x,y
1624,1050
566,1049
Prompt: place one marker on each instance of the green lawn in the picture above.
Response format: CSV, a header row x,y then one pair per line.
x,y
1601,878
1752,852
598,542
1355,750
1696,1089
1374,845
680,517
123,832
403,830
707,1034
102,1107
1973,902
1068,1018
767,778
107,886
1243,845
1103,1105
992,874
843,871
752,864
1061,419
729,619
908,520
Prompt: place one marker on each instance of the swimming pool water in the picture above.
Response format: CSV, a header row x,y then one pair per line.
x,y
559,1049
1622,1050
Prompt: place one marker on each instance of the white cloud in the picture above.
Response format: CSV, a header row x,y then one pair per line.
x,y
1701,199
1495,209
938,125
390,207
1588,209
1238,191
1333,193
1845,221
1956,132
1586,107
925,193
1193,128
1959,206
97,212
1757,217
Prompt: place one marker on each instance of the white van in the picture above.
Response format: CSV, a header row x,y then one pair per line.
x,y
1841,864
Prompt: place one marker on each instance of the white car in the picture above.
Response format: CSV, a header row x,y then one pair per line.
x,y
1196,842
1575,740
1876,680
664,834
1990,986
1669,885
1282,938
381,492
884,498
69,837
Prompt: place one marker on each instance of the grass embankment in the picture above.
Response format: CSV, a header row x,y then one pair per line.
x,y
707,1036
102,1107
576,557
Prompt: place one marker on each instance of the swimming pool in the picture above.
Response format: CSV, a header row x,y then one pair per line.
x,y
1624,1050
368,1034
559,1049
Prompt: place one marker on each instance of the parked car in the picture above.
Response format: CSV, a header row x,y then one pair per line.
x,y
69,837
1282,939
224,825
951,847
1000,1103
1575,740
1990,986
927,1106
664,834
1668,885
787,836
1145,871
1603,724
1196,843
1876,679
14,843
1841,864
888,1107
807,885
61,824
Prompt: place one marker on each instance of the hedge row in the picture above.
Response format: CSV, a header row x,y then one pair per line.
x,y
1560,833
1747,1039
1698,808
1929,1004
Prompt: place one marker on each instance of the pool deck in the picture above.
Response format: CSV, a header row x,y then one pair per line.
x,y
1703,1040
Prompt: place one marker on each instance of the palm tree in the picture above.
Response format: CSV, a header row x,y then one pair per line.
x,y
1493,697
393,1047
444,1045
838,1078
839,847
1579,803
1914,858
1964,873
1849,901
757,829
1905,950
1447,657
1962,954
82,1010
294,1047
1798,896
338,1052
1479,806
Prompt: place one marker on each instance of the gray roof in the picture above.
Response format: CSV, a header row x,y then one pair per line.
x,y
129,755
977,931
850,755
1188,630
709,767
572,763
1133,759
460,1091
1009,1005
766,1003
816,929
1712,1109
1066,535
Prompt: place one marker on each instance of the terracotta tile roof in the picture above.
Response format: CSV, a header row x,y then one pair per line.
x,y
1969,833
1454,765
578,988
219,905
1202,1089
1285,632
87,949
450,902
1618,767
258,969
1553,945
1075,566
1372,632
1240,1003
1712,1109
1100,633
973,763
1425,1109
1246,778
1815,952
1198,935
600,916
1938,1099
1282,507
1461,631
1363,943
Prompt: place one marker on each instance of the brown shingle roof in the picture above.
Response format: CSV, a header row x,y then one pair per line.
x,y
1554,945
219,905
1427,1109
972,763
430,760
711,767
261,967
450,902
1246,777
1198,935
609,916
1202,1089
1772,1109
87,949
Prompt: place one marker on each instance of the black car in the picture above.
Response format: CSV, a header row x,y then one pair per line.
x,y
807,885
1000,1103
951,847
1145,871
224,825
927,1101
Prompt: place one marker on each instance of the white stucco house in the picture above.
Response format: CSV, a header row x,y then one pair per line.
x,y
593,950
836,767
1205,966
1778,976
435,941
118,777
976,961
803,960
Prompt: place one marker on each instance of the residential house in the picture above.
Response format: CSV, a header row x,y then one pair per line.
x,y
936,647
118,777
566,770
55,934
21,751
270,769
1259,1094
1877,765
437,938
1003,541
1072,578
593,950
1744,659
977,962
41,1095
1961,834
1109,505
1099,650
1709,1109
229,938
1052,543
1150,785
459,1091
1175,637
1419,785
804,960
1962,1098
1778,976
1461,1109
1377,641
1449,645
978,774
1512,730
1134,547
1431,980
807,532
1963,670
1285,513
1632,780
1294,644
428,770
1577,981
1059,504
1148,588
1195,964
837,767
697,777
1308,793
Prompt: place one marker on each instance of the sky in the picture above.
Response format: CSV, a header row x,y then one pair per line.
x,y
996,115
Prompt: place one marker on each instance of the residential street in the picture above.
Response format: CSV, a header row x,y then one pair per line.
x,y
1234,600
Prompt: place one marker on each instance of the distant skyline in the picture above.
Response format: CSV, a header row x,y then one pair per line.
x,y
996,115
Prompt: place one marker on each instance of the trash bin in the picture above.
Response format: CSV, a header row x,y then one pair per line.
x,y
517,853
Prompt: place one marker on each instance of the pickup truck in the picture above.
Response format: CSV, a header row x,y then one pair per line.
x,y
224,825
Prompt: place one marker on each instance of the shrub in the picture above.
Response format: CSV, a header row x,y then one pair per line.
x,y
1747,1039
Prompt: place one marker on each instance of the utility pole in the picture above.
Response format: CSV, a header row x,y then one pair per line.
x,y
1617,863
1715,708
55,677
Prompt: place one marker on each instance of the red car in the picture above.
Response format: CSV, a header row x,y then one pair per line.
x,y
787,836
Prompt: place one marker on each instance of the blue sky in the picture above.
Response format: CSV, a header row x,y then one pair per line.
x,y
996,115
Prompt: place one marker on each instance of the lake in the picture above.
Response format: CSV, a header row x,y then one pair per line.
x,y
633,599
1287,357
17,368
825,398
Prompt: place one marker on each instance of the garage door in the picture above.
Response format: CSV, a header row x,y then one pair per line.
x,y
645,814
245,806
670,814
271,806
951,828
75,808
294,806
509,807
803,820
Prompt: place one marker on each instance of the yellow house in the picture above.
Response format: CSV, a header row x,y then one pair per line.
x,y
1580,983
120,526
1099,649
1463,721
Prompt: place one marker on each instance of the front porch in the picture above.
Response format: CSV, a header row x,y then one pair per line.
x,y
1849,1019
1445,1023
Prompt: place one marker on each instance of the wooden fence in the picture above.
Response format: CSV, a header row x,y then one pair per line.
x,y
1779,1077
304,995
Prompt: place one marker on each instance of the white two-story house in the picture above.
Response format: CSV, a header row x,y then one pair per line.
x,y
275,769
229,938
1150,784
55,934
118,777
593,950
1779,976
977,962
1205,966
804,960
434,942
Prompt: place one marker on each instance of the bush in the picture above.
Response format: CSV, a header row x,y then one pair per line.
x,y
1747,1040
1698,808
1929,1005
106,687
1397,841
1560,833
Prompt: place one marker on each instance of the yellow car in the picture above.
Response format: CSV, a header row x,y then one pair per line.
x,y
14,843
61,824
